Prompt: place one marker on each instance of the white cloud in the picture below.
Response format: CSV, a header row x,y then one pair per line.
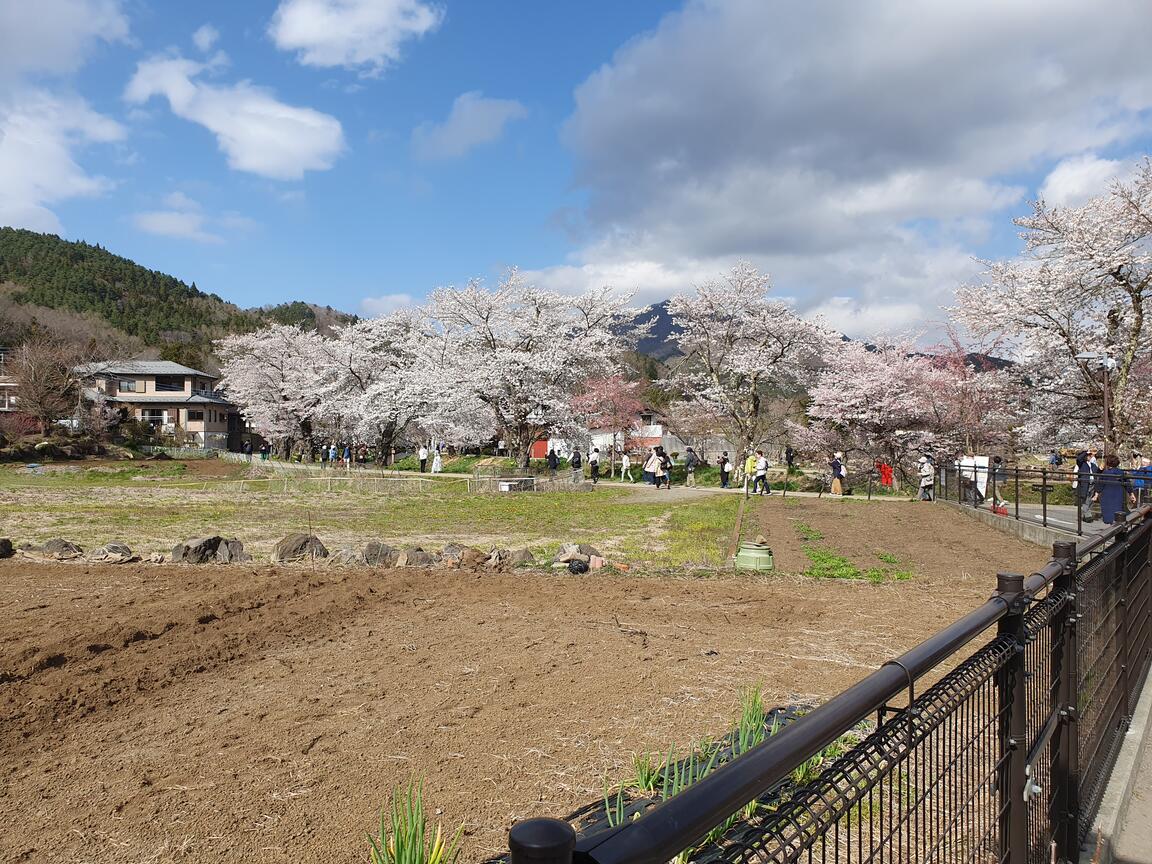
x,y
205,37
257,132
1076,179
40,135
351,33
386,303
474,120
55,36
856,156
184,218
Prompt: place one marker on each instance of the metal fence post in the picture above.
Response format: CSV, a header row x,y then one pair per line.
x,y
1013,726
1017,493
1044,497
1125,660
541,841
1065,751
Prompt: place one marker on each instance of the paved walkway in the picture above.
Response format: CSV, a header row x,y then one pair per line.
x,y
1134,839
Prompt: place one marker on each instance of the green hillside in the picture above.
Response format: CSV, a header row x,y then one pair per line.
x,y
155,309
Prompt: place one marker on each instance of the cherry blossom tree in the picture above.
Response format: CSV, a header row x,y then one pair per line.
x,y
741,350
890,402
372,389
610,404
1081,287
523,353
277,376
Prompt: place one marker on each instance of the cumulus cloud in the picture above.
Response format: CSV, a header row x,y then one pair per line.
x,y
40,135
1076,179
386,303
818,140
55,36
184,218
475,119
257,132
365,34
205,37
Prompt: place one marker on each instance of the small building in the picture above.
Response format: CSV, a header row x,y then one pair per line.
x,y
7,385
178,401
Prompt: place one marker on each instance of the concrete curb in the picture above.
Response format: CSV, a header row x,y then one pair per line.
x,y
1099,848
1030,531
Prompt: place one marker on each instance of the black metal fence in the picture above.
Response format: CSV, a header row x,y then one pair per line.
x,y
1065,500
1005,757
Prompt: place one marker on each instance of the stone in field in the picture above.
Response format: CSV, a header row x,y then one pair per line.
x,y
113,553
298,547
349,556
522,557
414,558
6,550
209,550
379,555
54,550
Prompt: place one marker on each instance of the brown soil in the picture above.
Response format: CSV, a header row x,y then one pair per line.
x,y
263,714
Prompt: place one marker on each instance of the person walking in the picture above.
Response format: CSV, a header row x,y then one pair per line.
x,y
927,472
790,458
347,457
437,462
725,469
248,450
838,473
997,477
332,453
422,455
749,472
1113,490
576,463
625,467
761,476
1086,471
594,465
650,466
264,451
663,468
553,463
691,460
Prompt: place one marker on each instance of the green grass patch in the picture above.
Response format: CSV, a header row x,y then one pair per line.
x,y
827,564
887,557
808,533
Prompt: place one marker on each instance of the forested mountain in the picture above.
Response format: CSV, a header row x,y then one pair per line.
x,y
61,285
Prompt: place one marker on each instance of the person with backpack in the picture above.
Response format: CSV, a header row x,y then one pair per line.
x,y
691,460
594,464
725,469
553,462
576,463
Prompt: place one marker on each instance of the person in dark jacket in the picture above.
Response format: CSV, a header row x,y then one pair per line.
x,y
1113,490
553,463
691,460
577,463
1086,473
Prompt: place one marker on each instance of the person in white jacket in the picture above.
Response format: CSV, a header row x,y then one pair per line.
x,y
927,478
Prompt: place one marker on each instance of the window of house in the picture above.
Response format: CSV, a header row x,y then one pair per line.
x,y
126,385
195,415
169,384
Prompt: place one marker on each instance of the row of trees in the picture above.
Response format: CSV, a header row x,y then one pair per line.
x,y
522,364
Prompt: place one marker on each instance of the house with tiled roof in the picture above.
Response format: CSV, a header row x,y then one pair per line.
x,y
179,401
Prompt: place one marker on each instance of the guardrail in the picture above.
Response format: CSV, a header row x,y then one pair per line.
x,y
1055,498
1005,758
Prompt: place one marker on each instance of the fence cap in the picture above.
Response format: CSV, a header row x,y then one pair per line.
x,y
541,840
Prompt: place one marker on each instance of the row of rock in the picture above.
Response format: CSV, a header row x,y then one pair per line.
x,y
294,548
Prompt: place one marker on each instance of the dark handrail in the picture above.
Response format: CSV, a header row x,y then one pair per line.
x,y
680,822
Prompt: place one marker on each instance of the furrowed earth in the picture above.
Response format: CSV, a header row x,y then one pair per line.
x,y
263,714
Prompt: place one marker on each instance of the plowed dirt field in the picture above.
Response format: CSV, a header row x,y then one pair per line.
x,y
257,714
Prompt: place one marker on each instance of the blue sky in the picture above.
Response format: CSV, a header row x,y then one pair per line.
x,y
358,153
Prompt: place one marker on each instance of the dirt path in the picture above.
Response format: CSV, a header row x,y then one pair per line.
x,y
259,714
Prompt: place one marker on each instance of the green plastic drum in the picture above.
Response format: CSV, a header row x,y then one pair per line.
x,y
753,556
